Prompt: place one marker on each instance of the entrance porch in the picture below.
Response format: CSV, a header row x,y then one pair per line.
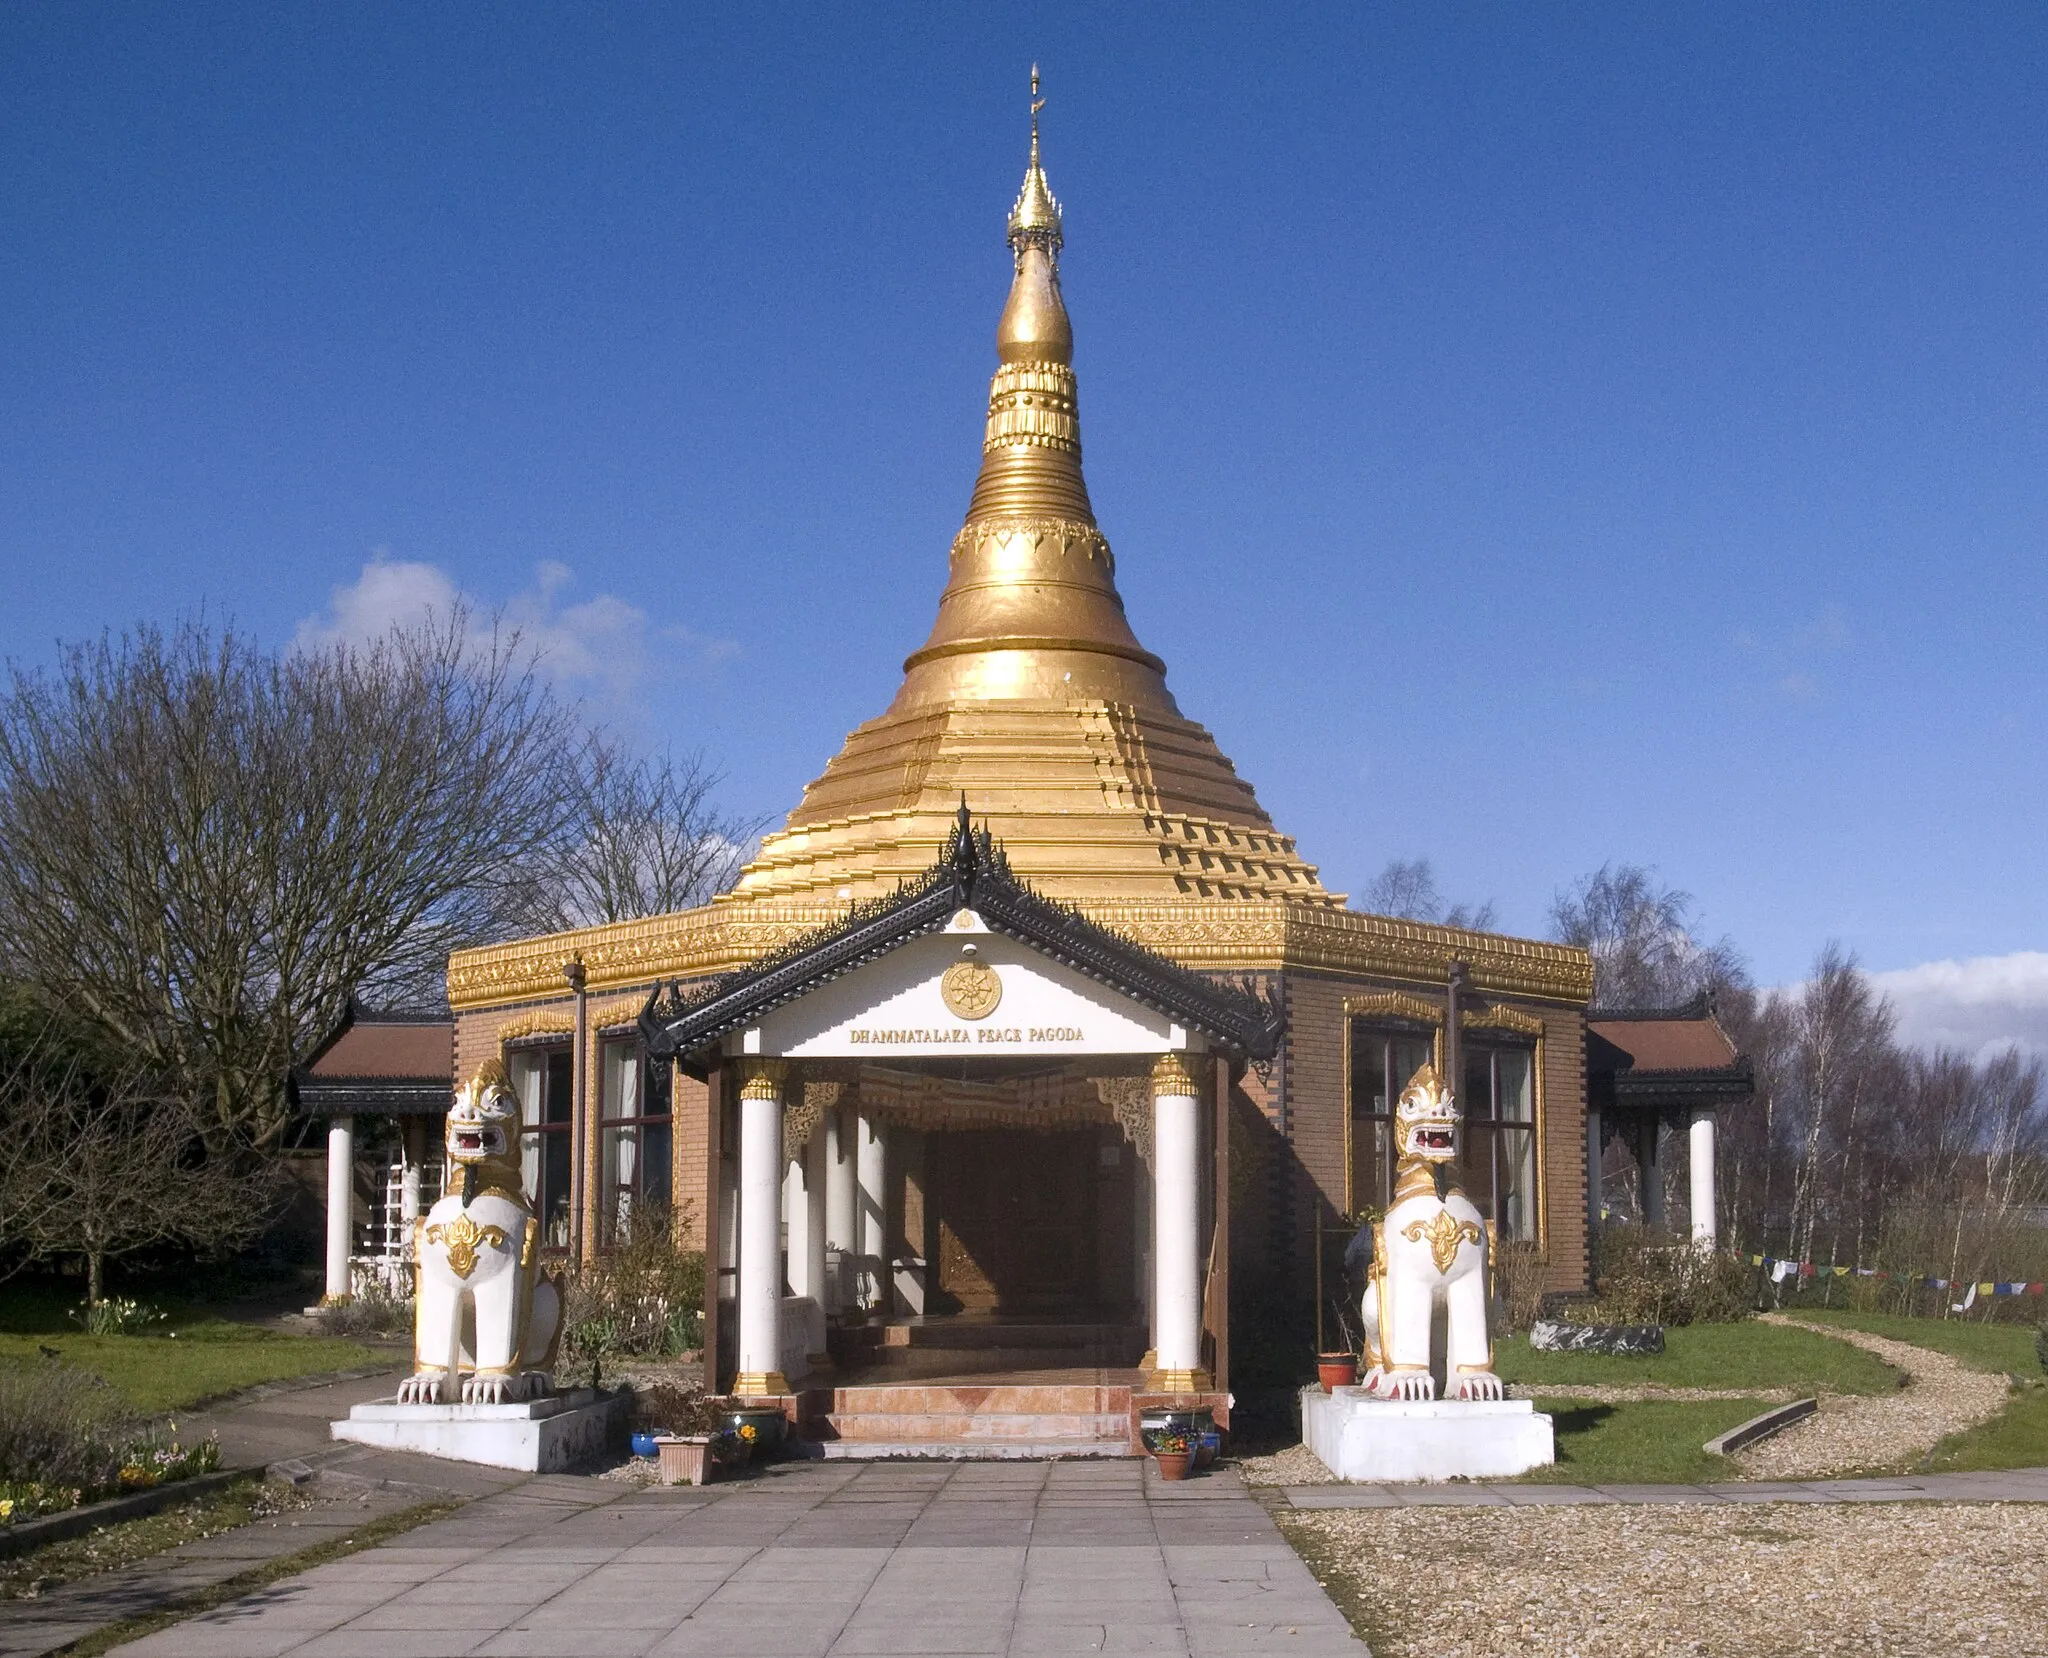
x,y
970,1172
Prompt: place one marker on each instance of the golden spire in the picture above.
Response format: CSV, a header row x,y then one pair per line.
x,y
1031,694
1032,608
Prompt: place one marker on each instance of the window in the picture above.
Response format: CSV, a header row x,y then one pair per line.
x,y
638,1129
543,1078
1496,1100
1383,1058
1497,1142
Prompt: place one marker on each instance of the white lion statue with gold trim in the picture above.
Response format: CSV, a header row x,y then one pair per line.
x,y
485,1316
1431,1247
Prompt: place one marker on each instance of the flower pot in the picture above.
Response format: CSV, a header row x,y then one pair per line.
x,y
685,1458
760,1432
1335,1370
1175,1465
644,1444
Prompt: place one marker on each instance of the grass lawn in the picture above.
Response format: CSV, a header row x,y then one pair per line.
x,y
2017,1437
2007,1349
1653,1441
1711,1355
175,1372
182,1361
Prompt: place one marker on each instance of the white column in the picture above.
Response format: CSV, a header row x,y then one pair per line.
x,y
1176,1227
842,1229
413,1139
796,1212
1705,1230
817,1171
760,1262
871,1174
341,1204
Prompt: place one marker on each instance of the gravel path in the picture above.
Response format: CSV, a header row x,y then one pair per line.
x,y
1853,1432
1297,1465
1627,1582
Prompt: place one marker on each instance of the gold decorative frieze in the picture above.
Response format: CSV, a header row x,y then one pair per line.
x,y
1208,935
1170,1078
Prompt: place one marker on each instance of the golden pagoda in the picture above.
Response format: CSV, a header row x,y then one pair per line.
x,y
1032,701
1032,698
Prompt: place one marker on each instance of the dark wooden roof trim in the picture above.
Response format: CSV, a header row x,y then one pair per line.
x,y
371,1096
973,874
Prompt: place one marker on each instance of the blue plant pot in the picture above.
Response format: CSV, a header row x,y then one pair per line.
x,y
644,1446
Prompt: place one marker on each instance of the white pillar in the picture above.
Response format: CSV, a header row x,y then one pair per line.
x,y
871,1174
817,1171
795,1213
1705,1230
1176,1227
341,1204
760,1263
842,1229
413,1138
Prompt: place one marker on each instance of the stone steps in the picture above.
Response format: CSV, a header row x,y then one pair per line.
x,y
969,1421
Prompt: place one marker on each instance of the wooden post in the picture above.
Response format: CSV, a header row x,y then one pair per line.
x,y
714,1232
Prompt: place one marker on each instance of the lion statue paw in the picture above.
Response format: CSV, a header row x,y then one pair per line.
x,y
422,1387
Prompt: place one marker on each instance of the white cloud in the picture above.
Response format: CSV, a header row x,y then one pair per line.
x,y
601,646
1980,1006
389,593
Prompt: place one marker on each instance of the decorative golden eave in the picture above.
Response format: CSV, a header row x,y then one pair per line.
x,y
1207,935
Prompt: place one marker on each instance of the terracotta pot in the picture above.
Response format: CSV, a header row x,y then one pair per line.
x,y
1335,1370
1175,1465
685,1459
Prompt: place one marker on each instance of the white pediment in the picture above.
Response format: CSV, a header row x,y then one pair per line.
x,y
1003,999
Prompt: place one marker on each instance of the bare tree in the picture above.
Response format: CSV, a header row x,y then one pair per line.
x,y
101,1166
1640,934
205,847
1407,888
646,837
1842,1032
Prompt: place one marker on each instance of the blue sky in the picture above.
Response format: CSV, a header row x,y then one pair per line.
x,y
1532,435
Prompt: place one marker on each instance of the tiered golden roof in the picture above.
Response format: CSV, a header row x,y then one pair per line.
x,y
1032,697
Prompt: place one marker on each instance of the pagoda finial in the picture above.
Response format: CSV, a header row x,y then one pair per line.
x,y
1035,220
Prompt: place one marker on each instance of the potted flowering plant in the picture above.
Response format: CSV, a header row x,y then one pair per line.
x,y
1174,1450
681,1426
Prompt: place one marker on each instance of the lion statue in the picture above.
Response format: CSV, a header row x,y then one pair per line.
x,y
1430,1248
486,1316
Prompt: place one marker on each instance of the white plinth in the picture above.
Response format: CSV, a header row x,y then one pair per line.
x,y
541,1436
1380,1439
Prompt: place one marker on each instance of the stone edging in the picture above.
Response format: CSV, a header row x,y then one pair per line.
x,y
286,1384
1761,1427
24,1535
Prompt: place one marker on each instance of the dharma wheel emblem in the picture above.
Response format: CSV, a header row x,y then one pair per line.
x,y
970,990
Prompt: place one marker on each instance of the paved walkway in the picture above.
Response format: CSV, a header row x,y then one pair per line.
x,y
351,1484
878,1559
2018,1485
